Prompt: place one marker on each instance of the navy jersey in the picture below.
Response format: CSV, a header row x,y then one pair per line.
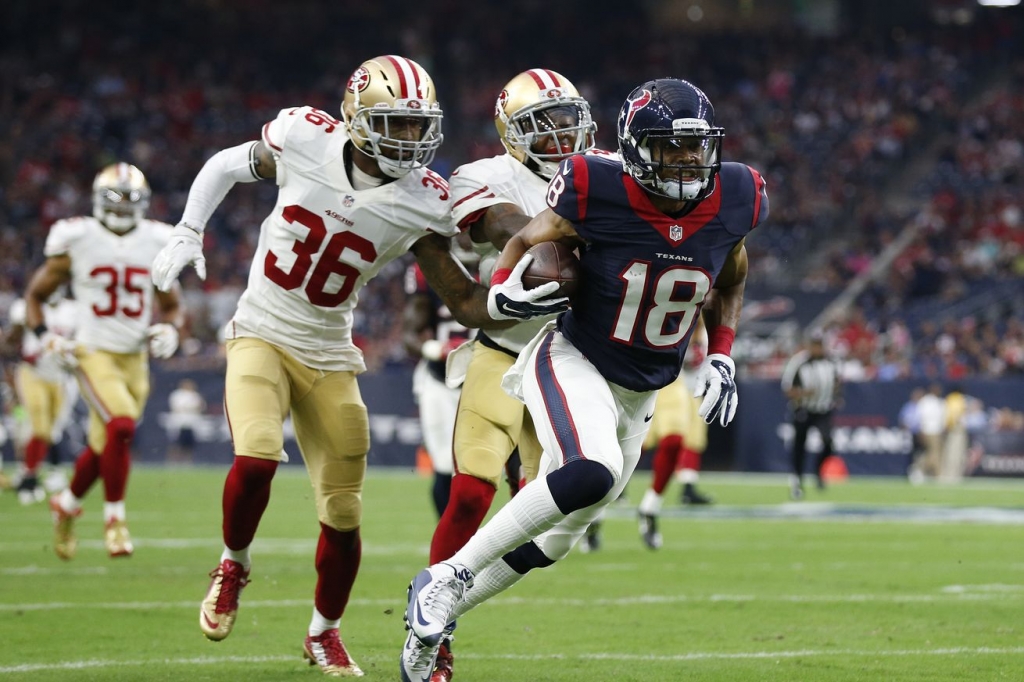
x,y
644,274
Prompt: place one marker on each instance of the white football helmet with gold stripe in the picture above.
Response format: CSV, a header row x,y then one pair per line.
x,y
541,119
120,197
392,113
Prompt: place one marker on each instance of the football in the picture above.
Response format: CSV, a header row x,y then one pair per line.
x,y
553,262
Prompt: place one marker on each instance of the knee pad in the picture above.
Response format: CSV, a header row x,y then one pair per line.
x,y
526,557
579,484
343,511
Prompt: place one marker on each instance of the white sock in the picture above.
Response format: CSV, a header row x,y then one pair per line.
x,y
531,512
651,503
320,624
241,556
688,476
113,511
496,578
68,502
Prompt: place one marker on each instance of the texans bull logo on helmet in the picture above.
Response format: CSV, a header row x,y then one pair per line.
x,y
636,104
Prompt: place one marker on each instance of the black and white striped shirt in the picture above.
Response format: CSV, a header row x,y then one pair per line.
x,y
818,375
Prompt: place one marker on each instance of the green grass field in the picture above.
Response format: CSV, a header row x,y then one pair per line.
x,y
870,580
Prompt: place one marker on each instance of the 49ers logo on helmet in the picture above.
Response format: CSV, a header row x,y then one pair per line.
x,y
635,105
553,93
415,104
502,101
360,80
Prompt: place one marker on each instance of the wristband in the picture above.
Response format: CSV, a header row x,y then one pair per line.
x,y
720,340
500,275
39,330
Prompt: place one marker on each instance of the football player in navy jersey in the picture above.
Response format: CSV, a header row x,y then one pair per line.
x,y
660,236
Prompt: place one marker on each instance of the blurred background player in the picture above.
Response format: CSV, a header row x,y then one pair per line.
x,y
813,385
541,119
106,258
45,389
432,333
185,410
354,195
661,235
679,437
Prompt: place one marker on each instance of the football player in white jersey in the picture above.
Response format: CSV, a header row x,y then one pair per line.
x,y
354,194
106,258
541,119
45,388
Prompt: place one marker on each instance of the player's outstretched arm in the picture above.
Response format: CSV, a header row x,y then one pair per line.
x,y
715,381
466,299
247,162
546,226
498,224
45,280
725,301
507,298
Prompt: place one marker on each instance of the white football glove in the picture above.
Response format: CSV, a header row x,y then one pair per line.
x,y
184,248
163,340
60,349
716,384
510,301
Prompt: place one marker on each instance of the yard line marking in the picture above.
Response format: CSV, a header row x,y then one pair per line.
x,y
997,587
32,569
100,663
829,512
962,597
741,655
693,656
264,546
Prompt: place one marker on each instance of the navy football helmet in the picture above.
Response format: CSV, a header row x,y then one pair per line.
x,y
668,139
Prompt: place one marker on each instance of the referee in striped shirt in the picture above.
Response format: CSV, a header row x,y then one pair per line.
x,y
812,383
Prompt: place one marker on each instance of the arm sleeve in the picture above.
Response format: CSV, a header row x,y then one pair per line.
x,y
215,180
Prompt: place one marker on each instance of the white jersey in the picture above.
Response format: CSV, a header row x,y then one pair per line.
x,y
60,319
484,183
111,280
325,240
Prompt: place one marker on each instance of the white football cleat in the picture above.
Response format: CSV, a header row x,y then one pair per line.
x,y
433,594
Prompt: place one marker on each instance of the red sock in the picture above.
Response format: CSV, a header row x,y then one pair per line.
x,y
87,470
665,462
246,494
690,459
467,506
35,452
116,459
337,562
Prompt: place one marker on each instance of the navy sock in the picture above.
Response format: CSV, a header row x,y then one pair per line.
x,y
525,557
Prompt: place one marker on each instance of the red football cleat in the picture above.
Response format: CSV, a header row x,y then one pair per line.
x,y
220,606
328,651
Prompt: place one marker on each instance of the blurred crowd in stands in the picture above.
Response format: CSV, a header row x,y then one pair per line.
x,y
864,138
